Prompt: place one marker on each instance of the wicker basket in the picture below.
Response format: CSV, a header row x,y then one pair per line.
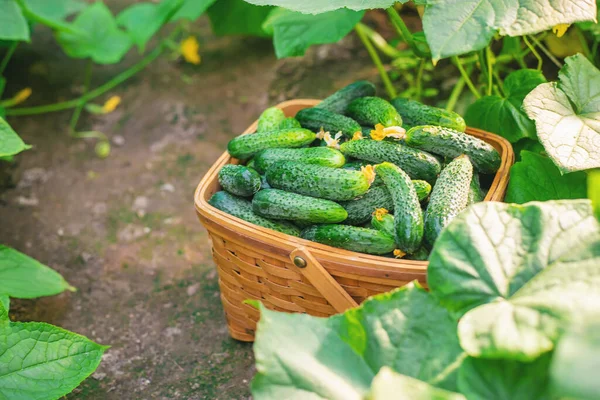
x,y
290,274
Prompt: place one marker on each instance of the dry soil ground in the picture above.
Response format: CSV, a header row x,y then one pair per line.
x,y
123,230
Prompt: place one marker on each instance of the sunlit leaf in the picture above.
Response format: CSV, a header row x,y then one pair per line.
x,y
13,25
236,17
10,142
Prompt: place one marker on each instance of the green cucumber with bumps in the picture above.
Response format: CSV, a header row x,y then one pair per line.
x,y
371,111
289,122
383,222
360,209
246,146
416,163
316,119
242,208
324,156
476,194
422,254
448,197
450,143
270,119
317,181
423,189
414,113
339,101
239,180
408,216
363,240
279,204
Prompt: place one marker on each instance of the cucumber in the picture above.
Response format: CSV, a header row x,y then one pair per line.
x,y
270,119
250,164
408,217
246,146
316,119
451,143
278,204
476,195
357,165
371,111
289,122
242,208
423,189
324,156
339,101
414,113
239,180
360,209
351,238
317,181
448,197
382,221
416,163
422,254
263,182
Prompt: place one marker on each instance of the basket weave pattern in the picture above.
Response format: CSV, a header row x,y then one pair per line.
x,y
254,262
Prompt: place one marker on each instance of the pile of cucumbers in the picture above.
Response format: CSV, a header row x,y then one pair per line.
x,y
357,172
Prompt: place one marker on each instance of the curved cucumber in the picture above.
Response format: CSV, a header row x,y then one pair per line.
x,y
316,119
317,181
239,180
289,122
360,209
451,143
408,217
415,113
246,146
278,204
383,222
371,111
476,194
448,197
242,208
423,189
270,119
324,156
352,238
416,163
339,101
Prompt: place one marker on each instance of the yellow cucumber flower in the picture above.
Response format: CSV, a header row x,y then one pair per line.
x,y
357,135
369,173
379,213
399,253
560,29
381,132
111,104
189,50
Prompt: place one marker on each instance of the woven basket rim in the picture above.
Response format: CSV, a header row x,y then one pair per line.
x,y
334,255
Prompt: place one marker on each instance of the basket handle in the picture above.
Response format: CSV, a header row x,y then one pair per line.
x,y
322,280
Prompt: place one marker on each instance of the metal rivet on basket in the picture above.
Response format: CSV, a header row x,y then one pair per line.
x,y
299,262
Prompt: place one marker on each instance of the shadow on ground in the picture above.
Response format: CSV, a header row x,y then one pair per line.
x,y
123,230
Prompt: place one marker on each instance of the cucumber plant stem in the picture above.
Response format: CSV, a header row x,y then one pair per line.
x,y
465,76
593,184
86,87
379,42
490,69
7,56
376,60
419,87
584,45
404,32
534,52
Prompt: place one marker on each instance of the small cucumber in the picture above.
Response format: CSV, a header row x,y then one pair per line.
x,y
416,163
246,146
239,180
360,209
289,123
448,197
408,216
324,156
415,113
476,194
383,221
263,182
371,111
339,101
317,181
270,119
422,254
451,143
316,119
242,208
423,189
351,238
250,164
279,204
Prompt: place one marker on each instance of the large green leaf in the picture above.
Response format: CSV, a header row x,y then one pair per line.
x,y
52,12
389,385
39,361
504,115
517,274
13,25
294,32
10,142
192,9
567,115
480,379
236,17
25,278
576,362
143,20
536,178
299,356
455,27
96,36
5,301
320,6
